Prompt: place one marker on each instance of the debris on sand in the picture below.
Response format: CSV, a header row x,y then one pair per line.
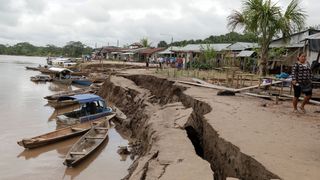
x,y
226,93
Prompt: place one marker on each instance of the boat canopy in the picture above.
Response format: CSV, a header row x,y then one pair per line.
x,y
59,70
85,98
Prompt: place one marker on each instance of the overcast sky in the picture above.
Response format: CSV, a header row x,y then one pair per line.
x,y
42,22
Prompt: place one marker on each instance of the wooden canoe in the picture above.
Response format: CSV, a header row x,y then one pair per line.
x,y
60,134
87,144
32,68
69,93
60,104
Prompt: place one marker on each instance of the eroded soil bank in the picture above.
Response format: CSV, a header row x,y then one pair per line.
x,y
176,140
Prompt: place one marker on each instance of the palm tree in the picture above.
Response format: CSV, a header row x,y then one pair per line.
x,y
266,20
145,42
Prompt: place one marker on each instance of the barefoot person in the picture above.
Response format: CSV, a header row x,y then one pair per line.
x,y
301,81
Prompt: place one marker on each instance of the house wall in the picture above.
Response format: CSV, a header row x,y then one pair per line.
x,y
311,56
295,39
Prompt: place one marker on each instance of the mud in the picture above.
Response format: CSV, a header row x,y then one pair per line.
x,y
176,141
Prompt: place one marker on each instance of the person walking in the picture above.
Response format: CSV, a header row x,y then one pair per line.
x,y
301,81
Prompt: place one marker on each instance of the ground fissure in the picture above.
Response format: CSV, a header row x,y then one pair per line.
x,y
172,124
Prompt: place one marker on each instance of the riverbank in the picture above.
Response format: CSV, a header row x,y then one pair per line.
x,y
236,136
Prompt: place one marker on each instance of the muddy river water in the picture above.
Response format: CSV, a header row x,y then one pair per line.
x,y
23,114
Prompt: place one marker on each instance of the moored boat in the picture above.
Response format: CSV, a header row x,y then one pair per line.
x,y
61,75
70,93
62,101
87,144
60,134
41,78
33,68
91,107
82,81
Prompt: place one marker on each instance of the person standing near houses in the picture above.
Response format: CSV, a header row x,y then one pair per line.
x,y
301,81
183,62
147,62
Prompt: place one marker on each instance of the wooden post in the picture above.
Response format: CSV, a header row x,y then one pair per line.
x,y
270,86
241,81
281,90
238,80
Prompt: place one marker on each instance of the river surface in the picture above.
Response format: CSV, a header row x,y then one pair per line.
x,y
23,114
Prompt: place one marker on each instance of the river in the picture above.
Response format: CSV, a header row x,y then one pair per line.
x,y
24,114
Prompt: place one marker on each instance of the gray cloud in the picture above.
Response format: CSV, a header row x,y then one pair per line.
x,y
104,21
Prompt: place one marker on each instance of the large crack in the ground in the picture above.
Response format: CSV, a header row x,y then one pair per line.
x,y
147,100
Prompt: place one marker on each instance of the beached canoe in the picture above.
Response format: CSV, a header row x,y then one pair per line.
x,y
60,103
69,93
41,78
87,144
60,134
32,68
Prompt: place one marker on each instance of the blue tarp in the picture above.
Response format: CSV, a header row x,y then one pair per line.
x,y
84,98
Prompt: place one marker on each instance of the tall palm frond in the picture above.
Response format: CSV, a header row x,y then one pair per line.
x,y
265,19
293,18
235,19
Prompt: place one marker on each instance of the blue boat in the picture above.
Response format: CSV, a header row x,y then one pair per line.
x,y
91,107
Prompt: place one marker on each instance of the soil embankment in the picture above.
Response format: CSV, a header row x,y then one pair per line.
x,y
168,120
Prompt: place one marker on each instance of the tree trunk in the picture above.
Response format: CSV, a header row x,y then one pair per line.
x,y
263,61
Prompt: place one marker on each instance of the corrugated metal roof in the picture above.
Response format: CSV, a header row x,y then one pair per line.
x,y
245,54
201,47
295,45
314,36
150,50
170,50
55,69
239,46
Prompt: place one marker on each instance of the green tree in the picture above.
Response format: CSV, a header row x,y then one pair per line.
x,y
145,42
52,50
3,49
74,49
266,20
162,44
208,53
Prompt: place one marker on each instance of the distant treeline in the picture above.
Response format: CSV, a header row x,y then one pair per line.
x,y
71,49
76,49
231,37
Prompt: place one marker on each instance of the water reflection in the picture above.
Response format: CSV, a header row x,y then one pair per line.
x,y
29,118
61,147
63,110
39,82
59,87
123,157
75,171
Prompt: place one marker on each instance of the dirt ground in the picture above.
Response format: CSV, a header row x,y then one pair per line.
x,y
257,136
286,144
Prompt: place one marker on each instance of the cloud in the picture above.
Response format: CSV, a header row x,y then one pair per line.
x,y
104,21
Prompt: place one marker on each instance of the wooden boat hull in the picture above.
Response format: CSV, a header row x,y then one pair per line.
x,y
32,68
69,93
60,104
64,120
94,116
59,135
87,144
35,79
